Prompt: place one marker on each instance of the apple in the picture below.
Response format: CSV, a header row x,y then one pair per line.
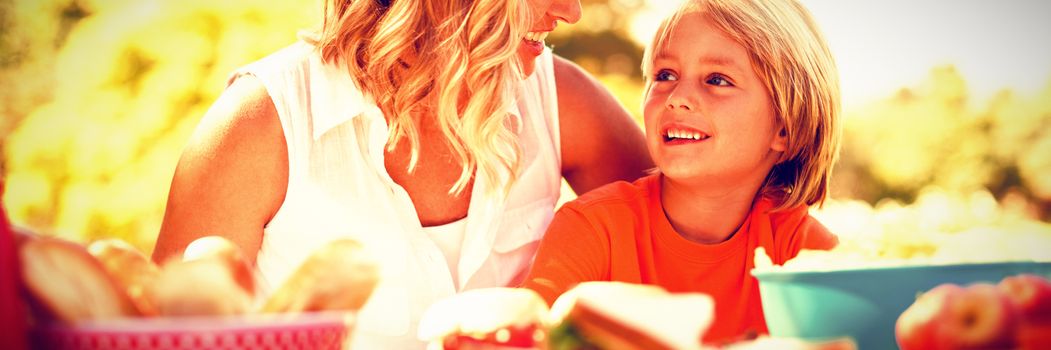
x,y
915,328
1034,336
1031,294
978,317
949,316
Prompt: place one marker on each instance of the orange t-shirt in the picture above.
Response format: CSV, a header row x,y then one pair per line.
x,y
619,233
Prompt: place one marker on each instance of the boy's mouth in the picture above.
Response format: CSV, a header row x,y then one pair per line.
x,y
683,135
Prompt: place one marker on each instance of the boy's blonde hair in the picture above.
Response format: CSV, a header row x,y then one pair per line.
x,y
790,56
463,71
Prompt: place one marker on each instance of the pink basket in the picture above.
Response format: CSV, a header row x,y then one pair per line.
x,y
277,332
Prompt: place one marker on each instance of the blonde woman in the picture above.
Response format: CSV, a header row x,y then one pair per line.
x,y
437,132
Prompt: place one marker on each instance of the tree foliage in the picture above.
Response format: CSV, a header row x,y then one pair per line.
x,y
115,90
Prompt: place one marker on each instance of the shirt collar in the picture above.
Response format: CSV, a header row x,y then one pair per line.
x,y
336,99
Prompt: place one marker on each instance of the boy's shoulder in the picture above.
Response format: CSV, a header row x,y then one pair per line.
x,y
796,227
616,194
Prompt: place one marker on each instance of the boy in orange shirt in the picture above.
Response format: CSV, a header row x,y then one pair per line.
x,y
742,119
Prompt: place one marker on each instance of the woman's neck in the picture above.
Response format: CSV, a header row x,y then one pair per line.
x,y
706,214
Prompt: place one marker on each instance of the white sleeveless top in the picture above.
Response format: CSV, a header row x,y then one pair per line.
x,y
449,239
338,187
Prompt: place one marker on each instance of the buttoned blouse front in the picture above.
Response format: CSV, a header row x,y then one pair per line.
x,y
338,187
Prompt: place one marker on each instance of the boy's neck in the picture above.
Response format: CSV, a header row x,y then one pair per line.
x,y
706,214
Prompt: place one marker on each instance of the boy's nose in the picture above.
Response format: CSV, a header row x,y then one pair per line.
x,y
679,106
565,10
682,98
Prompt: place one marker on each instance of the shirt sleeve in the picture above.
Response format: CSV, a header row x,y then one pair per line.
x,y
572,251
801,231
809,233
816,236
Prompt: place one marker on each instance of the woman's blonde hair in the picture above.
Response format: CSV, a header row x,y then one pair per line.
x,y
452,59
791,57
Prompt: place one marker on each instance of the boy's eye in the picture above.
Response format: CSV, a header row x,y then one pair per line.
x,y
665,75
718,80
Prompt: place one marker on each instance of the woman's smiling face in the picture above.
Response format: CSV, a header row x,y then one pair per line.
x,y
546,14
708,115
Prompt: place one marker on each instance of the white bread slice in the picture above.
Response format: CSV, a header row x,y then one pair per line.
x,y
644,315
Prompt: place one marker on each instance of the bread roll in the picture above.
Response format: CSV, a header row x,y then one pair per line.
x,y
131,269
227,252
201,287
339,276
70,283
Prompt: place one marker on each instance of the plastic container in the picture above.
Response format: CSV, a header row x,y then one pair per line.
x,y
863,303
328,330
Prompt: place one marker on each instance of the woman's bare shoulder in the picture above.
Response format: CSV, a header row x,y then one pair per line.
x,y
241,129
593,126
232,175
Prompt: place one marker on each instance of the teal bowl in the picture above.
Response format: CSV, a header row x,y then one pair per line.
x,y
863,303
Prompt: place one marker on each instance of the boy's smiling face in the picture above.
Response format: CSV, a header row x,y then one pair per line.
x,y
708,116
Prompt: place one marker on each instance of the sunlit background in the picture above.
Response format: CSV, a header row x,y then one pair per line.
x,y
948,104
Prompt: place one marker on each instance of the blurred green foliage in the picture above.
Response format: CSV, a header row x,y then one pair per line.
x,y
100,96
934,134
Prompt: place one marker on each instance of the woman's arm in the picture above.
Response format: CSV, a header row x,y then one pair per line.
x,y
232,176
601,143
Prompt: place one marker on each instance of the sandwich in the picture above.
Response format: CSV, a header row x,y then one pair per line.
x,y
487,318
780,343
616,315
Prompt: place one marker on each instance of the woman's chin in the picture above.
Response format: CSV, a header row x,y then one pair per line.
x,y
527,61
527,68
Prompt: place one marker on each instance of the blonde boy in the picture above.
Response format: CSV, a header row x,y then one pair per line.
x,y
741,116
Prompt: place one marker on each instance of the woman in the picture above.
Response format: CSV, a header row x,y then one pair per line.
x,y
436,132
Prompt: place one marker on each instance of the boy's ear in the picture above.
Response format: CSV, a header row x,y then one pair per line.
x,y
780,142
